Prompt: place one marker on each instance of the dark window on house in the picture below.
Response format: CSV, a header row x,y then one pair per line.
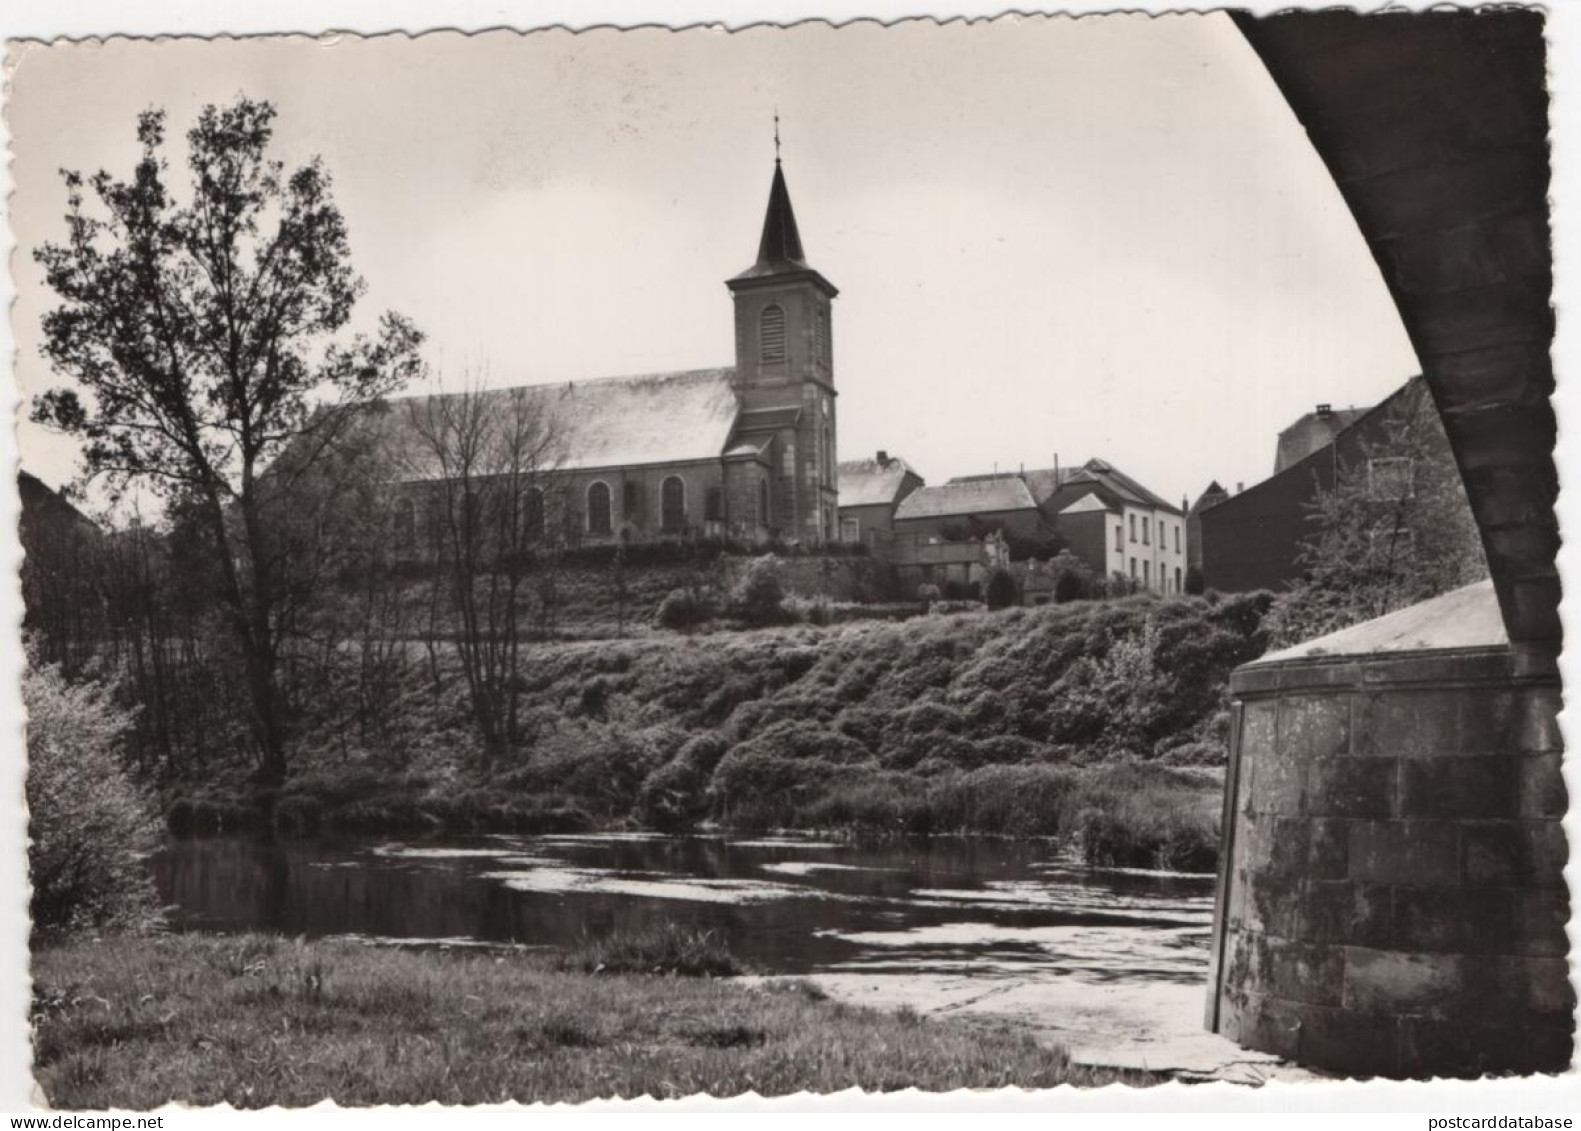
x,y
1132,519
672,503
763,502
631,501
714,505
1119,537
405,524
771,334
1145,542
1147,572
1133,569
1160,534
1177,537
1177,577
598,509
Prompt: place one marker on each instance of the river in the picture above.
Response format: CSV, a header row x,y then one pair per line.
x,y
785,905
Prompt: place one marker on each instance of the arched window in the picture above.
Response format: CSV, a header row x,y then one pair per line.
x,y
598,509
533,517
771,335
405,523
763,502
672,503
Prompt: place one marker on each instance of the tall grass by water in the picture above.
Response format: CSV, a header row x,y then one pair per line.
x,y
256,1021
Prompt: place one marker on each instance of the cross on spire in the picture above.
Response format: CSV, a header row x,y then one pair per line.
x,y
776,135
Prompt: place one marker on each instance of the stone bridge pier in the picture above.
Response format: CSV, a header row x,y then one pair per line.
x,y
1391,896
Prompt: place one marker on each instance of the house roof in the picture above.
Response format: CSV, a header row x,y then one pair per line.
x,y
1044,482
978,497
871,482
1313,432
651,418
1212,496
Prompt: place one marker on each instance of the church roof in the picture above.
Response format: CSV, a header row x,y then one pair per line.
x,y
779,248
651,418
978,497
872,482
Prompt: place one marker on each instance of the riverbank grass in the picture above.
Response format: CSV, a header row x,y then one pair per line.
x,y
255,1020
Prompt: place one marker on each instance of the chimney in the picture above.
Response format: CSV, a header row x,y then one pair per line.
x,y
883,457
1239,487
1325,410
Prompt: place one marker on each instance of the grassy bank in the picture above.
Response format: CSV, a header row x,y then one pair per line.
x,y
1102,722
256,1021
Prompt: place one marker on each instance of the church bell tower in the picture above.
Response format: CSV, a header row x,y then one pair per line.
x,y
785,371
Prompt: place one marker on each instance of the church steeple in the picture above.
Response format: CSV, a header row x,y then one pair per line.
x,y
784,373
781,242
779,249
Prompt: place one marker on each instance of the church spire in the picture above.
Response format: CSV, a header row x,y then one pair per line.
x,y
780,255
781,242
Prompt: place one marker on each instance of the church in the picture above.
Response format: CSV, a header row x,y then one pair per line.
x,y
745,452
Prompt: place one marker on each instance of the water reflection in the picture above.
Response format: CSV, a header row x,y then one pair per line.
x,y
785,905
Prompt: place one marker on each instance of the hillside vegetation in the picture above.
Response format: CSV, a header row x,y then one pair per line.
x,y
1098,721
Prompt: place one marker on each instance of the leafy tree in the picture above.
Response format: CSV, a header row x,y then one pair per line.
x,y
201,337
1395,529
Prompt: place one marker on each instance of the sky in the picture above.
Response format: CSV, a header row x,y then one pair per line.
x,y
1053,237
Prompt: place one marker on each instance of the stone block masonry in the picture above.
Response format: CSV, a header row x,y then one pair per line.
x,y
1392,897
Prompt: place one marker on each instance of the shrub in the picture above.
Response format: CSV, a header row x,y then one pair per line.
x,y
673,797
759,598
1000,592
89,826
681,609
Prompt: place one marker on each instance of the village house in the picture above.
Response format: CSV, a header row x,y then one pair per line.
x,y
955,511
746,452
870,490
1107,519
1253,539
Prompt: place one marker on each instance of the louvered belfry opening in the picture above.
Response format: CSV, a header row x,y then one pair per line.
x,y
772,334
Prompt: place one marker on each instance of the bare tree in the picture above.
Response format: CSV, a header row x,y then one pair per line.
x,y
491,463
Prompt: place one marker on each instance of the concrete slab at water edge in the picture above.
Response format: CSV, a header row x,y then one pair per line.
x,y
1151,1027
